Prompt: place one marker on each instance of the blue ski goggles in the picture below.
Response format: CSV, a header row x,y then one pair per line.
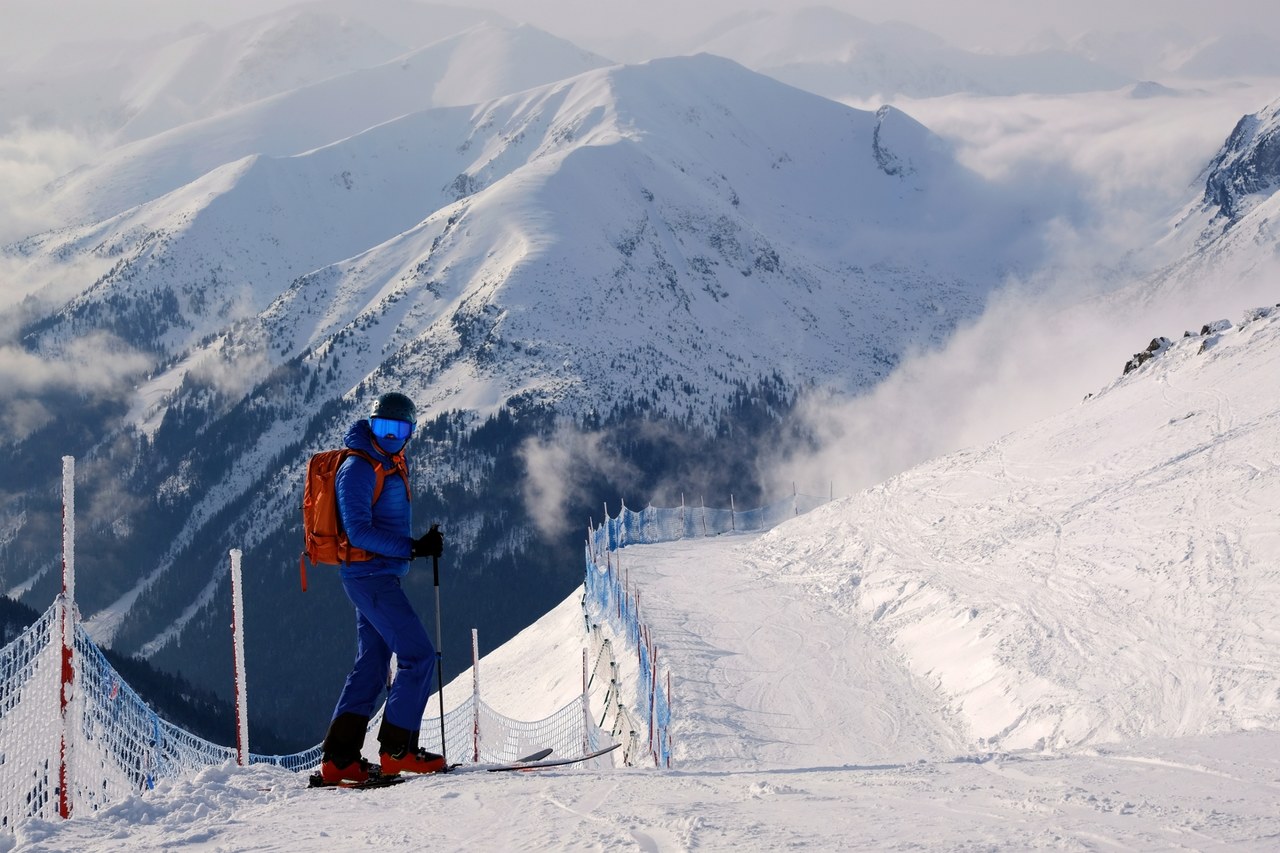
x,y
388,428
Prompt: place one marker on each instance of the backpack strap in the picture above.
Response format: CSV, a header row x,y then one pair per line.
x,y
380,471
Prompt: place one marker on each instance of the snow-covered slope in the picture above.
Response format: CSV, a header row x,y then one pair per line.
x,y
1108,574
478,64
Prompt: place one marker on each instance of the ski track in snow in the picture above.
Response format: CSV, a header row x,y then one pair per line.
x,y
763,677
1196,794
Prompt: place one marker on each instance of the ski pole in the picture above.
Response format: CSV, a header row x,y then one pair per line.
x,y
435,568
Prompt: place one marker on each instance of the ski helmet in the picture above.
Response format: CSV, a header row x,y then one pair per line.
x,y
396,407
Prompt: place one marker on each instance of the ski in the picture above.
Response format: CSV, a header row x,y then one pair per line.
x,y
552,762
378,781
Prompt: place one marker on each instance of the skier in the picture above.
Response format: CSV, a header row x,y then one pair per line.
x,y
386,622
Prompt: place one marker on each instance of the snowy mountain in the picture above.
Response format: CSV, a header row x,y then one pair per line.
x,y
1171,52
477,64
1141,54
669,250
1229,232
843,57
1247,170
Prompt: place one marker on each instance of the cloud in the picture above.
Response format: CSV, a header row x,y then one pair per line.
x,y
1113,168
1037,350
1117,173
30,159
559,470
95,364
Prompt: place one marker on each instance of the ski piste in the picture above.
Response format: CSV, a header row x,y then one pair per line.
x,y
534,761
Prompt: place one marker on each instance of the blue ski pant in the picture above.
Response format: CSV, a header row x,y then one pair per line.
x,y
386,623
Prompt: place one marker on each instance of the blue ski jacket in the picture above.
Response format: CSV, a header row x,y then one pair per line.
x,y
383,528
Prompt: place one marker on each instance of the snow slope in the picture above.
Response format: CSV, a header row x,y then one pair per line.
x,y
1065,639
1106,575
478,64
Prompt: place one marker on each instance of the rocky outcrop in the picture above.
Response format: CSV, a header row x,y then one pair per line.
x,y
1247,165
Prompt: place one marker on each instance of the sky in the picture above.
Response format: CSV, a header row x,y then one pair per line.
x,y
1000,25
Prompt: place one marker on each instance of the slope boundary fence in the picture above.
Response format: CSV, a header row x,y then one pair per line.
x,y
116,746
75,737
641,712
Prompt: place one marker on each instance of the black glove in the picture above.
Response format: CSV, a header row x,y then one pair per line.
x,y
429,544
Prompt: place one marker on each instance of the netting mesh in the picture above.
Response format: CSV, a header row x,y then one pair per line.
x,y
30,729
119,746
667,524
475,732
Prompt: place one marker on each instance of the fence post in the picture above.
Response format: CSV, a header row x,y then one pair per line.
x,y
653,698
668,730
586,705
475,694
237,649
68,608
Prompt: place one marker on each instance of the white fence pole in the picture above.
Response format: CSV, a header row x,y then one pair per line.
x,y
237,645
67,690
475,694
586,705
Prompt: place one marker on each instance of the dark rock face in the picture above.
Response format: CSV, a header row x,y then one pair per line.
x,y
1248,164
1157,346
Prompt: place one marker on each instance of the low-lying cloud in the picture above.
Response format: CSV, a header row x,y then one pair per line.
x,y
1122,172
558,471
1035,352
30,159
92,365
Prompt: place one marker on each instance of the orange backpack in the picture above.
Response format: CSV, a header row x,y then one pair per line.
x,y
324,539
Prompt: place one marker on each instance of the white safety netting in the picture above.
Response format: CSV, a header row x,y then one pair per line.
x,y
476,733
30,726
116,745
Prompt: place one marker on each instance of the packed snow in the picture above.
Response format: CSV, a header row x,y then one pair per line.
x,y
1064,639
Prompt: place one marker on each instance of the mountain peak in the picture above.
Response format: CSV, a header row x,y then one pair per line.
x,y
1248,164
